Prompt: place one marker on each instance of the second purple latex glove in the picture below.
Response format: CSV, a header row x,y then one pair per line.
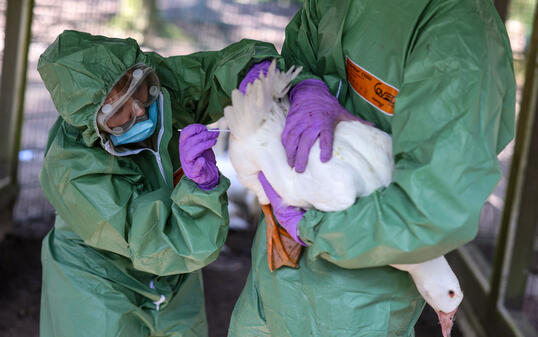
x,y
287,216
314,113
253,74
197,156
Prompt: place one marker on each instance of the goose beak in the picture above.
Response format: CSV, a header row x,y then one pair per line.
x,y
446,320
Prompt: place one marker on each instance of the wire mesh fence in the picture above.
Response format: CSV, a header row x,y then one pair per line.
x,y
192,25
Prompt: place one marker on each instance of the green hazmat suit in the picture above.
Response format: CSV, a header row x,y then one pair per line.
x,y
125,254
438,76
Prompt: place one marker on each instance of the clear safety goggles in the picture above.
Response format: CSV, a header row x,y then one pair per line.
x,y
131,98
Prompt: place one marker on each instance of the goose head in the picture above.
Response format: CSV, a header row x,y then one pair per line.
x,y
439,286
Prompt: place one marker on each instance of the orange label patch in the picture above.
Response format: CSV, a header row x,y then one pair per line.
x,y
376,92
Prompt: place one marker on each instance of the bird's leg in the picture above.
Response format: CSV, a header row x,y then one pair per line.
x,y
282,250
276,254
177,176
269,234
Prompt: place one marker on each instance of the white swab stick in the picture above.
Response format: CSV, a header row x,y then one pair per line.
x,y
214,130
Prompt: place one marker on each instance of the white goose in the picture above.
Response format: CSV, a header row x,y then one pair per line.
x,y
362,162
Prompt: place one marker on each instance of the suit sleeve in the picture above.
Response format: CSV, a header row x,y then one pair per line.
x,y
454,113
313,39
106,201
200,84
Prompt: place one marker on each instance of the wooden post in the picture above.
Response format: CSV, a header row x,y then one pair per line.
x,y
12,87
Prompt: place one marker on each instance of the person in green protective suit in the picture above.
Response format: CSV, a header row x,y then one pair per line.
x,y
125,253
438,76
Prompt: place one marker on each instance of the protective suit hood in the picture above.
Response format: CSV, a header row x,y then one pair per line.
x,y
80,69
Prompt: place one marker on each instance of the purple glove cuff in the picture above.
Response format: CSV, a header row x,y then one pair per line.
x,y
210,185
304,91
313,83
253,74
324,95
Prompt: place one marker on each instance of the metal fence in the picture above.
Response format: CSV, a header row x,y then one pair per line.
x,y
202,25
197,25
490,276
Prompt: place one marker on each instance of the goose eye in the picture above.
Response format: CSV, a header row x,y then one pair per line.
x,y
451,293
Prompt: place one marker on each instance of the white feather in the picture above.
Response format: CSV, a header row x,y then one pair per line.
x,y
361,163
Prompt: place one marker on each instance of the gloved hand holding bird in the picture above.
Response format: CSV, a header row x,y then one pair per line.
x,y
361,162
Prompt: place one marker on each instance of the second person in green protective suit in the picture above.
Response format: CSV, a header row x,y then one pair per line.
x,y
125,253
438,76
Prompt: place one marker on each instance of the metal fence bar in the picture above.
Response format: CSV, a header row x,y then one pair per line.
x,y
525,218
485,304
13,83
514,183
520,179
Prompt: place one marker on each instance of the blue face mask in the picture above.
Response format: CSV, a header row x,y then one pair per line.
x,y
140,130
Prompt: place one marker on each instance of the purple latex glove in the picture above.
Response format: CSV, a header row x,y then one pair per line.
x,y
197,157
253,74
287,216
314,112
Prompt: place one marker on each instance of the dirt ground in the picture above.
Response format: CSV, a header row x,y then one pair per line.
x,y
20,287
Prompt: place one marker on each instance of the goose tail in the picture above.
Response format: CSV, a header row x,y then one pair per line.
x,y
249,112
